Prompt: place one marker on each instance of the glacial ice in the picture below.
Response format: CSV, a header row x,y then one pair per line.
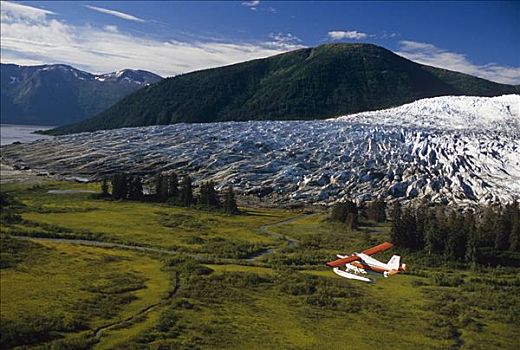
x,y
454,149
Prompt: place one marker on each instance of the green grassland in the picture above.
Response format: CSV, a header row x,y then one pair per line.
x,y
62,291
146,224
199,290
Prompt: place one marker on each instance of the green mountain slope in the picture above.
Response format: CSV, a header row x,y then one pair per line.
x,y
311,83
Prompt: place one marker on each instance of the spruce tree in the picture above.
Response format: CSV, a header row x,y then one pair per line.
x,y
514,236
163,194
430,233
208,197
339,212
135,187
451,239
449,247
214,201
376,210
351,221
120,186
173,186
158,187
488,227
457,237
202,198
442,224
504,228
186,192
105,188
353,215
420,223
230,204
345,212
158,183
472,248
161,188
409,231
115,187
397,230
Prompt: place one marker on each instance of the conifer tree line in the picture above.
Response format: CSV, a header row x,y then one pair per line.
x,y
347,212
437,230
125,186
167,188
458,236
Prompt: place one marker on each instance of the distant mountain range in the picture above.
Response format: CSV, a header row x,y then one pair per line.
x,y
59,94
311,83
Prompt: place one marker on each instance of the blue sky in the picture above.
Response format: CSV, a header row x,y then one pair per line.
x,y
479,38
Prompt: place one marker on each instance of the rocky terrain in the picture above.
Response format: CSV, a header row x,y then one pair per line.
x,y
460,150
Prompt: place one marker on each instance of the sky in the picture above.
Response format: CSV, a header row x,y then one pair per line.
x,y
173,37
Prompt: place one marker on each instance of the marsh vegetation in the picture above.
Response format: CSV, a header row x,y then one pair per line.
x,y
197,291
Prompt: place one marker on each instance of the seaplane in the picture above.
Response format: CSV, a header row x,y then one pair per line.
x,y
359,265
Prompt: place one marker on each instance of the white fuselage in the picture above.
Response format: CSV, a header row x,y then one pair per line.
x,y
370,261
367,260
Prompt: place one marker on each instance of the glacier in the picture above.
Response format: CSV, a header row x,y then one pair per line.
x,y
459,150
500,113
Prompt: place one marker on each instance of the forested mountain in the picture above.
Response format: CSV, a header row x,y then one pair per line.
x,y
59,94
311,83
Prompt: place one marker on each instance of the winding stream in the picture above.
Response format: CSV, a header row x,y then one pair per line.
x,y
98,332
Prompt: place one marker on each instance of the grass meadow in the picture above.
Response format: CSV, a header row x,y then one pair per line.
x,y
200,289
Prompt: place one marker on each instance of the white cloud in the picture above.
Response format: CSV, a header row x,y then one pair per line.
x,y
386,35
285,41
355,35
254,3
118,14
432,55
352,34
18,11
255,6
111,28
33,37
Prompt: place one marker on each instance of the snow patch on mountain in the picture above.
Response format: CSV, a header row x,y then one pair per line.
x,y
129,76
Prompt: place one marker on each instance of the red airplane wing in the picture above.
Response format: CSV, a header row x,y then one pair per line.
x,y
342,261
371,251
378,248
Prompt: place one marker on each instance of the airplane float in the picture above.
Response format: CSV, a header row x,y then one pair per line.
x,y
359,264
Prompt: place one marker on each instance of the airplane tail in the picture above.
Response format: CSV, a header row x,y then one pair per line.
x,y
394,262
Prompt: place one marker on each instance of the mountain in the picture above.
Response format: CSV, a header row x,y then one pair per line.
x,y
452,149
59,94
312,83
